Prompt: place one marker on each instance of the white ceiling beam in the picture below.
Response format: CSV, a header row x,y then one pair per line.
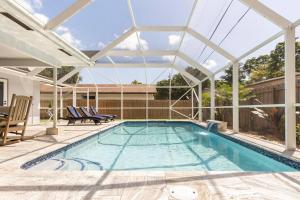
x,y
133,65
67,13
141,53
268,13
25,48
297,23
186,74
22,62
194,63
113,44
34,72
195,34
161,28
24,75
212,45
29,19
69,75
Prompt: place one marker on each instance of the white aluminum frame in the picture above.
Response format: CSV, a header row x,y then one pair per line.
x,y
288,30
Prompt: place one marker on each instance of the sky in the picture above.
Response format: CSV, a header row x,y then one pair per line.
x,y
102,21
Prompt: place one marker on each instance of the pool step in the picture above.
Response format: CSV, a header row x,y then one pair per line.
x,y
75,164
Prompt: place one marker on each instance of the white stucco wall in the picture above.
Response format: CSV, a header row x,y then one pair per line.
x,y
24,86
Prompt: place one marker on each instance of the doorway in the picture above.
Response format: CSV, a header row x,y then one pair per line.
x,y
3,92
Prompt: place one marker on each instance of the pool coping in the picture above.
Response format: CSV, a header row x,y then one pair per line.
x,y
290,161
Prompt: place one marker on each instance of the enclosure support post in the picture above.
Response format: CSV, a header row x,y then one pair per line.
x,y
74,97
88,99
147,103
235,98
170,94
54,130
122,103
200,102
290,89
97,100
55,97
61,103
212,97
192,92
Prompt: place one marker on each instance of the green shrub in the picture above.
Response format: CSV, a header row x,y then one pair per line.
x,y
298,134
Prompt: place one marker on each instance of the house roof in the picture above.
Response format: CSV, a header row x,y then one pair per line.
x,y
105,89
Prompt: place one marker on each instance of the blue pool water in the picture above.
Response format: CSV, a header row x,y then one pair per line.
x,y
160,146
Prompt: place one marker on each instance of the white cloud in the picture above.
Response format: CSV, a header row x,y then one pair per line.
x,y
64,32
38,4
131,43
31,5
100,45
174,40
43,18
26,4
168,58
210,64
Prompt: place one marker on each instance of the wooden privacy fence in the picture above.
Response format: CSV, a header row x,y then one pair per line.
x,y
132,109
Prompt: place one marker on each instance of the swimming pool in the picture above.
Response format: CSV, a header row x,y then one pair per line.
x,y
157,146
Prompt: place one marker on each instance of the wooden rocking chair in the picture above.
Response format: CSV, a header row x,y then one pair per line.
x,y
16,120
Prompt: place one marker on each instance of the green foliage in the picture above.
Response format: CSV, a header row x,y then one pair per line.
x,y
178,80
224,94
228,75
298,134
205,99
269,65
162,93
136,82
60,73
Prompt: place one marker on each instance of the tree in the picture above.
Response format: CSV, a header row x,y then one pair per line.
x,y
178,80
224,94
224,97
136,82
162,93
62,72
228,75
270,65
259,73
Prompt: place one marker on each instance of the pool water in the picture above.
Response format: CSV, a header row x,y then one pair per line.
x,y
160,146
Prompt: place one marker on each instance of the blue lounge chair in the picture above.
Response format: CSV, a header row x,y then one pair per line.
x,y
94,113
74,116
87,114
